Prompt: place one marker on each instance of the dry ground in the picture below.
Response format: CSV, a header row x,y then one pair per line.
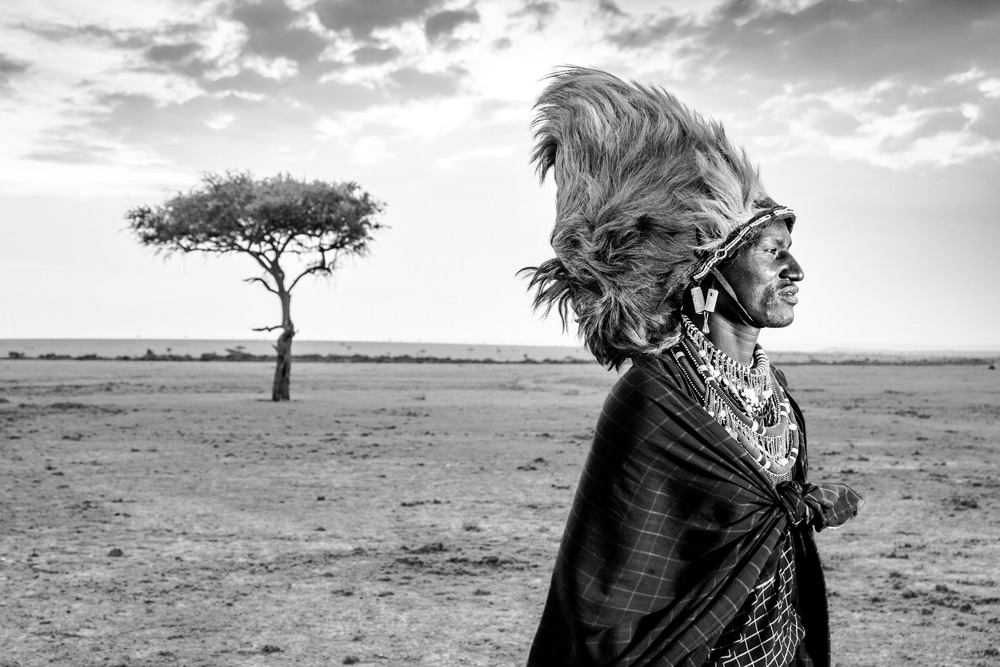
x,y
167,514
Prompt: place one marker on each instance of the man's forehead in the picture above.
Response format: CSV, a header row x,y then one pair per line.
x,y
777,230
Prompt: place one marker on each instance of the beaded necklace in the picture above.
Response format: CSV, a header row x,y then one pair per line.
x,y
746,401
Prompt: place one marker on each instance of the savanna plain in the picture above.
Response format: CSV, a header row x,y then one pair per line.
x,y
168,513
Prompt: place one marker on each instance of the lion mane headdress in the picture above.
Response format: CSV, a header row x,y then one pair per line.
x,y
650,198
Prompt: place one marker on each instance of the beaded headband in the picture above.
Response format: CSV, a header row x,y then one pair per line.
x,y
737,236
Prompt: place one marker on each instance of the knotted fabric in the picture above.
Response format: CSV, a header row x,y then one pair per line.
x,y
819,505
670,529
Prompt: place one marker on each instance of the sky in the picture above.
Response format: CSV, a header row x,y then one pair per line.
x,y
878,121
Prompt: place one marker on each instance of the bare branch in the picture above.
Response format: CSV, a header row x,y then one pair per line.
x,y
257,279
265,262
274,328
322,265
315,268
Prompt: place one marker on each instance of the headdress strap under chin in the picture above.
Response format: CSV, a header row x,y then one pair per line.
x,y
732,294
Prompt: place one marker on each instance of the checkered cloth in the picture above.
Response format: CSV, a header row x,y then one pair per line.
x,y
766,631
670,531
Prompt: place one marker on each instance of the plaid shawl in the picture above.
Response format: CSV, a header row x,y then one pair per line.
x,y
670,529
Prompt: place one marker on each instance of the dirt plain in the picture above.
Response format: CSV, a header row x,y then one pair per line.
x,y
158,513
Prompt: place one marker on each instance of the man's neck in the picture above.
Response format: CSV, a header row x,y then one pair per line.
x,y
735,339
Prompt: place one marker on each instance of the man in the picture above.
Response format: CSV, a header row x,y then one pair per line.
x,y
690,538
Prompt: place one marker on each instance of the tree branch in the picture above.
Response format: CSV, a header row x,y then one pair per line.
x,y
274,328
312,269
321,266
259,257
257,279
279,248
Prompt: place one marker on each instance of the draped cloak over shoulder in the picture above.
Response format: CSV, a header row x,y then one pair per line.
x,y
670,529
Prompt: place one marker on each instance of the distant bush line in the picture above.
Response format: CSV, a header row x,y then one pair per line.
x,y
779,358
321,358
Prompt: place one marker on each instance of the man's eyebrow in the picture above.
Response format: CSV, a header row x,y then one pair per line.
x,y
776,239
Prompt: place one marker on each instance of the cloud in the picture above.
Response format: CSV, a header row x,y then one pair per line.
x,y
252,80
71,153
126,39
834,122
299,44
413,83
609,7
265,15
843,124
246,81
443,24
836,42
240,48
183,59
540,12
219,120
121,38
335,95
373,55
937,122
990,88
172,53
77,143
11,67
645,33
887,79
277,31
169,48
362,17
987,120
233,129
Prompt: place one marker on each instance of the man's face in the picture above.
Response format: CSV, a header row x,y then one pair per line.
x,y
764,276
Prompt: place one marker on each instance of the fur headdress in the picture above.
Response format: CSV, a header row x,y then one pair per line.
x,y
650,196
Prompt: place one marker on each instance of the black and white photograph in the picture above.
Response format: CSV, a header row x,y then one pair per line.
x,y
527,333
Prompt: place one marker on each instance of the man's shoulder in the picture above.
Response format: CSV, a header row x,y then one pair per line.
x,y
652,379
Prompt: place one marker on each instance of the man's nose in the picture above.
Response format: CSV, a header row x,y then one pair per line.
x,y
793,270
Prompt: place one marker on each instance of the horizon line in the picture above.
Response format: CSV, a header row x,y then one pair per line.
x,y
873,348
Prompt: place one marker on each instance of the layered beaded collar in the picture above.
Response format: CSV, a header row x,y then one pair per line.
x,y
745,400
751,386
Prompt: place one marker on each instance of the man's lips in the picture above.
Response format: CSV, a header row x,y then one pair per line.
x,y
789,294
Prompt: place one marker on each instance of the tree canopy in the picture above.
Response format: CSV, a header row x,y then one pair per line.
x,y
266,218
270,219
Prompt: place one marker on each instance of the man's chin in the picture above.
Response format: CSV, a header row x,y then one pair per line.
x,y
781,320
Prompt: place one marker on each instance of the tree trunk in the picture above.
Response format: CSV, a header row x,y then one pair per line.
x,y
283,370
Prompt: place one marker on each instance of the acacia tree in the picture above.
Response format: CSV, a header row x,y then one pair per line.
x,y
281,222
